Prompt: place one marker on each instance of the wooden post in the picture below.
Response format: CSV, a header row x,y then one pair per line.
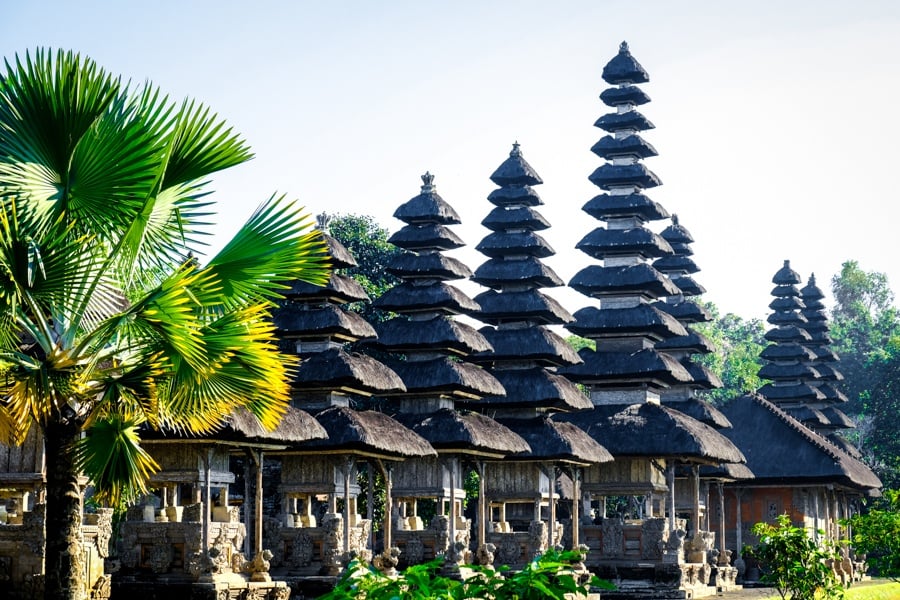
x,y
695,481
721,489
258,503
482,509
451,462
739,529
346,468
670,480
576,500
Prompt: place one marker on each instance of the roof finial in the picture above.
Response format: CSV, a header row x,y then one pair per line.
x,y
623,47
674,219
812,279
515,149
787,264
323,221
427,180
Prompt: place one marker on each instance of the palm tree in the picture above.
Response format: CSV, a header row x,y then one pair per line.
x,y
107,321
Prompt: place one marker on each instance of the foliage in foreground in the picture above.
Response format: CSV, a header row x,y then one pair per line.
x,y
794,563
548,576
877,534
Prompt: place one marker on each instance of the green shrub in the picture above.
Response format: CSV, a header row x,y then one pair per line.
x,y
877,534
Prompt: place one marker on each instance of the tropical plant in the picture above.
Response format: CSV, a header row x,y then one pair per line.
x,y
738,344
876,533
108,322
795,563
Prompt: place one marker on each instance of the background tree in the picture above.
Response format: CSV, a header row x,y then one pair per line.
x,y
368,243
101,185
877,534
736,361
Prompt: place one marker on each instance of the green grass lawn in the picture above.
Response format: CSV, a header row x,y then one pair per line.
x,y
878,589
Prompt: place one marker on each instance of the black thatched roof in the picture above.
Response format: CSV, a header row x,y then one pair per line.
x,y
242,427
841,442
602,242
687,285
809,416
464,432
339,289
427,207
521,217
433,265
676,233
340,256
799,392
787,371
515,170
528,305
515,196
676,263
557,441
496,273
609,176
625,94
781,450
686,312
789,333
693,342
439,334
786,276
444,376
503,243
531,343
297,321
626,369
535,386
640,279
408,297
702,377
787,318
726,472
643,319
428,236
784,303
623,68
337,370
786,352
837,418
652,430
701,411
368,432
610,147
609,206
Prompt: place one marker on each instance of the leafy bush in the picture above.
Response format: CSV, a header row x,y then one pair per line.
x,y
548,576
794,563
877,534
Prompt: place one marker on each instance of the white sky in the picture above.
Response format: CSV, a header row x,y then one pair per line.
x,y
776,122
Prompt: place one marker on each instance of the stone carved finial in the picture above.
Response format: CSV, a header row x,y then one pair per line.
x,y
674,219
787,264
623,47
516,149
812,279
428,182
323,221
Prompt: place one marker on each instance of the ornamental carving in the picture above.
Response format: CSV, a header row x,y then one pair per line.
x,y
414,552
303,550
509,551
160,558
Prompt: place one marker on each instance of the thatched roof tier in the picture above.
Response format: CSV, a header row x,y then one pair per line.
x,y
624,69
625,94
687,285
837,418
786,276
831,393
557,441
642,320
340,289
242,427
521,217
676,233
296,321
617,206
785,290
686,312
369,433
427,207
812,295
824,353
768,434
452,431
429,236
638,241
786,352
631,120
844,444
701,411
515,196
352,373
654,431
502,243
496,273
630,370
528,305
437,334
692,342
536,387
788,333
446,377
409,265
608,176
340,256
787,371
786,303
781,318
610,147
410,297
800,392
676,263
702,377
726,472
809,416
515,171
640,280
537,344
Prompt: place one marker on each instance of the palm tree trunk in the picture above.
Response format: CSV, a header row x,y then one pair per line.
x,y
64,558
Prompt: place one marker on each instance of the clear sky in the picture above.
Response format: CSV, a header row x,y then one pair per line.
x,y
777,123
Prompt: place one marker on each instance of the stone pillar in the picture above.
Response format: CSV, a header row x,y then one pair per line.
x,y
670,481
483,509
695,481
346,468
576,513
388,506
258,503
370,508
720,488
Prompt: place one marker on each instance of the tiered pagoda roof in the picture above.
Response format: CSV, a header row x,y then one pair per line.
x,y
525,352
627,369
430,346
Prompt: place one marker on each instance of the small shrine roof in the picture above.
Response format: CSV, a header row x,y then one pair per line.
x,y
623,68
702,376
446,377
461,431
693,341
242,427
536,386
676,233
811,292
631,120
811,417
786,303
427,207
800,392
786,275
557,441
674,263
515,170
789,333
788,371
370,433
687,285
338,370
340,256
837,418
787,318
